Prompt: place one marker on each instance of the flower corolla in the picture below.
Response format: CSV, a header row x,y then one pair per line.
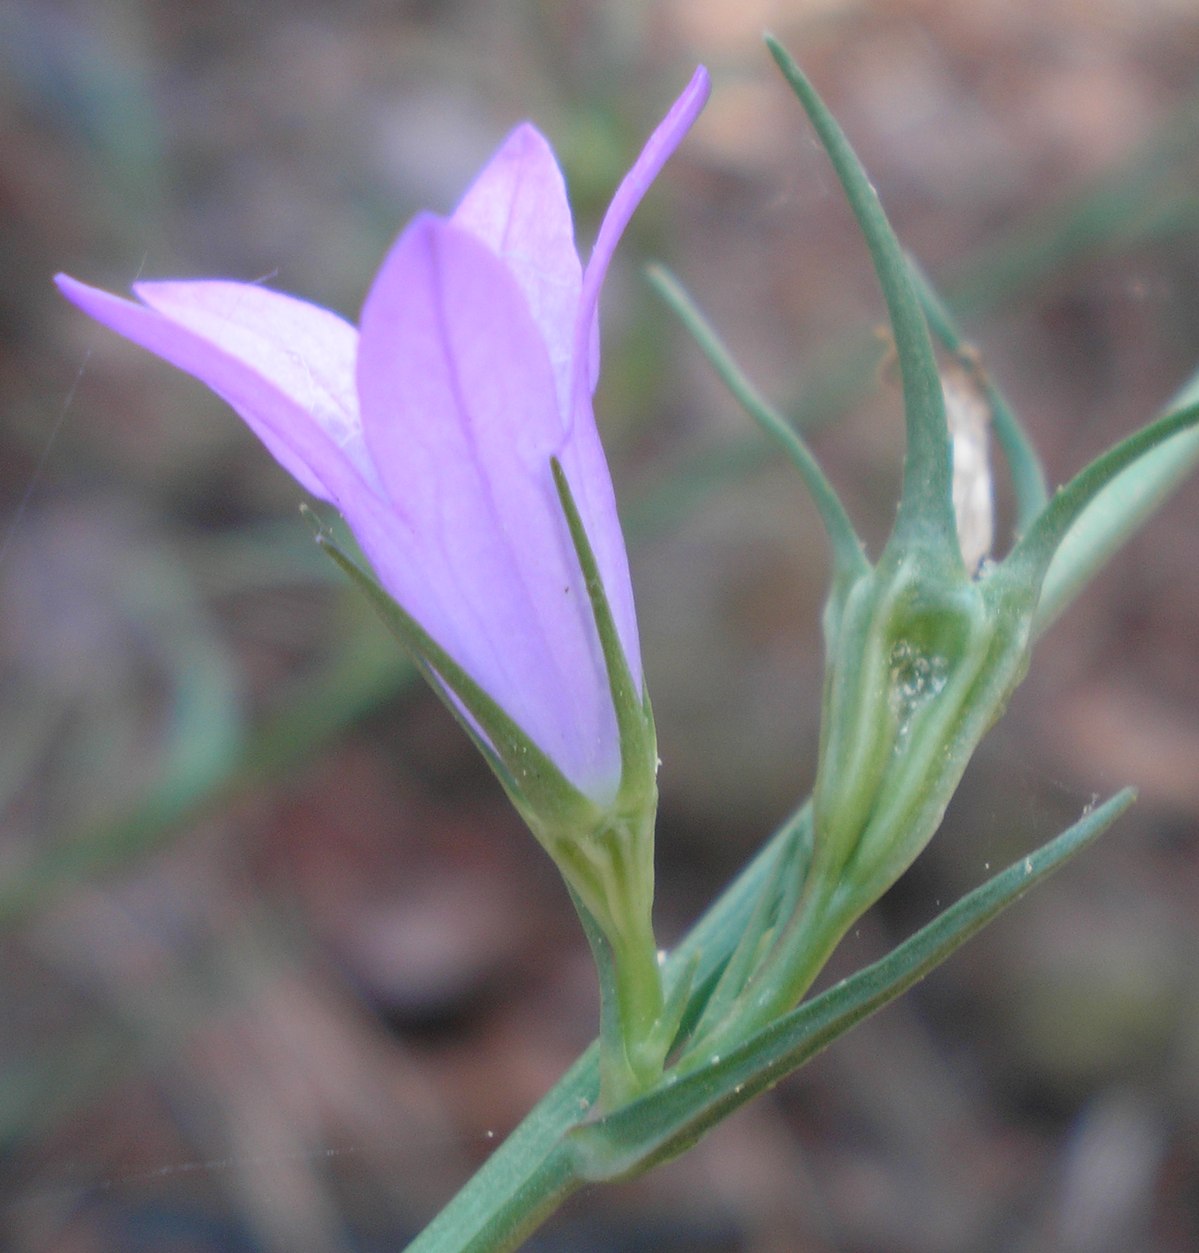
x,y
433,426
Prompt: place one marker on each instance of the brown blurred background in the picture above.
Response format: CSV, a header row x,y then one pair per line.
x,y
278,965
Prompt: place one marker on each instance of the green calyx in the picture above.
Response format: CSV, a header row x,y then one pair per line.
x,y
918,666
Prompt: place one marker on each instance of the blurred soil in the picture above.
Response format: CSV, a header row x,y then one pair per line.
x,y
279,964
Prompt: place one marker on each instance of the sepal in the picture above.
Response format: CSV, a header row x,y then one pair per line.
x,y
926,504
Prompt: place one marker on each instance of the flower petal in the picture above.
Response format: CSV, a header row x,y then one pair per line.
x,y
586,468
518,207
461,416
284,365
658,148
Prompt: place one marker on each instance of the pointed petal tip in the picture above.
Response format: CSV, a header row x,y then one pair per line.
x,y
681,115
523,165
524,137
659,147
75,291
523,146
103,306
699,88
391,280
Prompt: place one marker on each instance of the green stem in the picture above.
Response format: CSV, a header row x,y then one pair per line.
x,y
516,1201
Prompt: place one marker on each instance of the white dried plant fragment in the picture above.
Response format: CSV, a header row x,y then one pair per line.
x,y
969,417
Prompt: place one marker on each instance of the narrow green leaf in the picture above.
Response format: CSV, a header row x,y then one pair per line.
x,y
791,846
848,557
676,1006
1031,557
926,506
773,908
665,1122
1116,512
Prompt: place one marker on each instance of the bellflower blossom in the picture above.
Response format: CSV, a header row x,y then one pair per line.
x,y
432,427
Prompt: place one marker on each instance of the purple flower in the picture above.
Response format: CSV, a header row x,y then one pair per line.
x,y
432,427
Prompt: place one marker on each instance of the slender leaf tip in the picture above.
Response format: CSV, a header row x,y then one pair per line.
x,y
1031,557
848,556
926,514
